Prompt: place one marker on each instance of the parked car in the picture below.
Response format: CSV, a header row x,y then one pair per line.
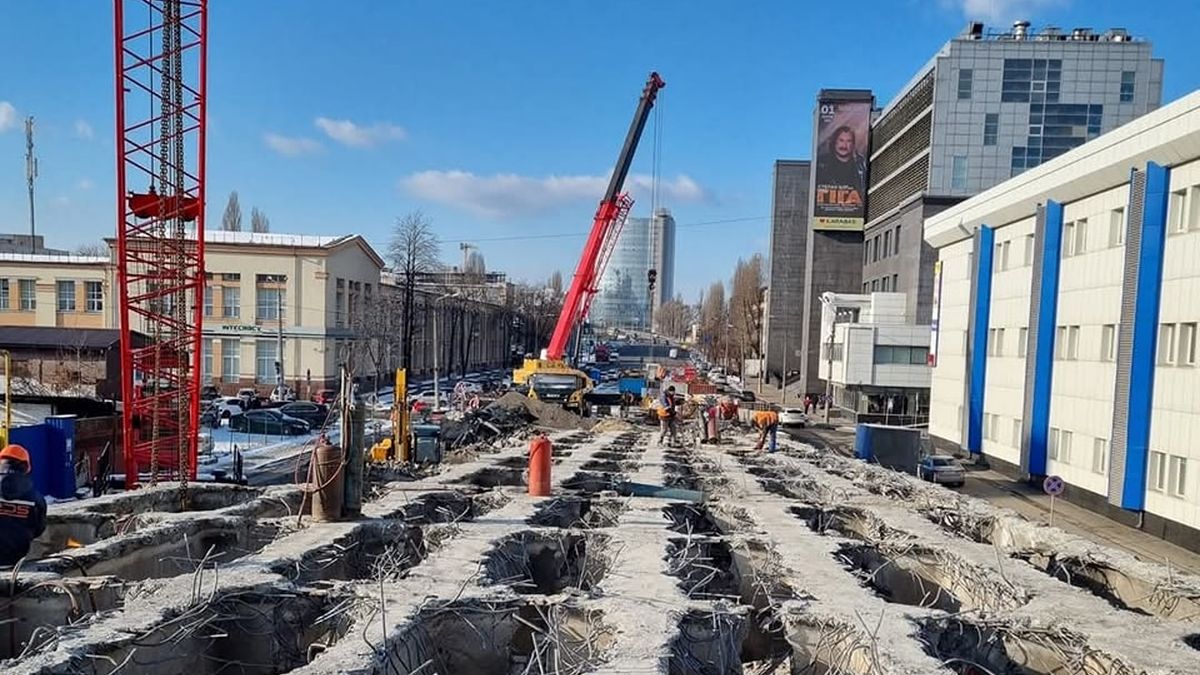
x,y
268,421
210,417
227,406
325,396
283,394
426,397
747,396
793,417
249,396
209,392
314,413
942,469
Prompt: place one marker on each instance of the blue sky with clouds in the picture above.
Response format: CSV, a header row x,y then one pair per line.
x,y
499,120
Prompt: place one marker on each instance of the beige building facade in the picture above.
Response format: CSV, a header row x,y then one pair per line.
x,y
315,301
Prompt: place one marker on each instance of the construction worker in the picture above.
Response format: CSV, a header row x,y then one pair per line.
x,y
666,415
767,423
22,509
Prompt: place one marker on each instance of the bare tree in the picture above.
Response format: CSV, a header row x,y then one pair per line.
x,y
413,251
745,306
97,249
231,221
674,318
375,334
713,320
259,221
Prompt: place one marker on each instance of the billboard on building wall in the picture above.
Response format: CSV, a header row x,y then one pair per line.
x,y
842,142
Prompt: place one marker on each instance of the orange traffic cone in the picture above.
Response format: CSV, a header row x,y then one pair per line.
x,y
539,467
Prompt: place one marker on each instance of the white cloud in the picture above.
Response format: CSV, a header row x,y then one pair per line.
x,y
1001,10
83,129
359,136
291,146
8,116
85,184
505,195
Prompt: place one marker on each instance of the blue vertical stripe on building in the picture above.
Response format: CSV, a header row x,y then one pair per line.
x,y
1043,352
1145,334
979,337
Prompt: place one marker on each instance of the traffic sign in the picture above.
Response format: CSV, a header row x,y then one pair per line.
x,y
1054,485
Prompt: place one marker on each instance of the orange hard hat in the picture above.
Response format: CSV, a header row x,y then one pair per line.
x,y
16,452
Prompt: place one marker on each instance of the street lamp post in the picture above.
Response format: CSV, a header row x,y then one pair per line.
x,y
437,347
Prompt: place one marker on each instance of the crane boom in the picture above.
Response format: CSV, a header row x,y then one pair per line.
x,y
610,211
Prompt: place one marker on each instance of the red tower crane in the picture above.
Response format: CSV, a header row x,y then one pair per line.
x,y
161,47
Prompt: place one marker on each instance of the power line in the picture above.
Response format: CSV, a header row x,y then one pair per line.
x,y
581,233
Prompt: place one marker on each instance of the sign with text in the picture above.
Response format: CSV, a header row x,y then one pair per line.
x,y
842,141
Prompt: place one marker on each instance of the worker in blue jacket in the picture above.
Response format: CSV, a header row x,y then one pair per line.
x,y
22,509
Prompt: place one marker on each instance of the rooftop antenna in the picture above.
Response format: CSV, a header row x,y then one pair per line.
x,y
30,175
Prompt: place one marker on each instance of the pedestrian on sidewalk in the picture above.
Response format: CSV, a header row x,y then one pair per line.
x,y
666,416
767,423
808,404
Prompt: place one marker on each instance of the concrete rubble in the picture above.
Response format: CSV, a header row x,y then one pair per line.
x,y
796,562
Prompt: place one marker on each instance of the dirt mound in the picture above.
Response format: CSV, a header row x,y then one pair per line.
x,y
614,425
544,414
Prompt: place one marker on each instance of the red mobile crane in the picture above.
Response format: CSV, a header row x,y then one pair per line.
x,y
610,217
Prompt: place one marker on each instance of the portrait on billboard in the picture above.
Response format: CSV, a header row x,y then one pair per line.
x,y
843,141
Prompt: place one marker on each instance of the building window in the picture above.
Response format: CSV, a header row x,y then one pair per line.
x,y
965,78
866,287
4,294
1166,344
266,357
885,283
866,251
1128,78
28,293
231,302
208,300
1029,243
911,356
231,359
1016,433
895,282
1156,477
1002,250
1081,229
1116,227
1072,343
1022,341
1177,476
874,285
1108,342
1100,456
339,306
66,296
996,342
268,303
1177,209
206,348
896,239
95,296
1053,444
1187,344
918,356
958,172
875,250
1068,240
991,128
887,243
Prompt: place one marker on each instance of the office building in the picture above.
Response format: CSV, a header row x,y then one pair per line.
x,y
783,321
1066,339
986,107
625,299
874,358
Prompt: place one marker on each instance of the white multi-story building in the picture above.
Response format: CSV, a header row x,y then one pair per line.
x,y
1066,327
874,357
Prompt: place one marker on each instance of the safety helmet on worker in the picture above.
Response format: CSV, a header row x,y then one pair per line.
x,y
17,453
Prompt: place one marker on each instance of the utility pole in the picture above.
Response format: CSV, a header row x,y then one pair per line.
x,y
829,362
279,380
31,173
783,396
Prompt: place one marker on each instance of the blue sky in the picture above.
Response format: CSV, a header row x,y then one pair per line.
x,y
498,119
